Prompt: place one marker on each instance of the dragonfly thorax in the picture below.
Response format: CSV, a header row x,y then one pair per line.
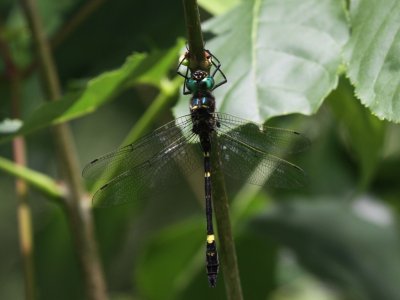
x,y
202,101
202,108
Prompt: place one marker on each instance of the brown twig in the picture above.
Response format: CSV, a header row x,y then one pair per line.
x,y
78,207
24,211
19,153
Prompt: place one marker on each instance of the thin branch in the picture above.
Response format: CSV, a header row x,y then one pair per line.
x,y
19,153
24,221
78,206
221,206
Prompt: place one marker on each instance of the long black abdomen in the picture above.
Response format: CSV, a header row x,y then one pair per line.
x,y
202,108
211,252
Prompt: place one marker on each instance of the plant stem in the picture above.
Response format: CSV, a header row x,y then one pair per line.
x,y
221,206
19,153
41,182
78,206
197,59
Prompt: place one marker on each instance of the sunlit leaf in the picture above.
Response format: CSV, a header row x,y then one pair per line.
x,y
280,57
373,56
217,7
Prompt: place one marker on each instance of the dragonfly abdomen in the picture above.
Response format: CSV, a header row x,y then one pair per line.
x,y
212,262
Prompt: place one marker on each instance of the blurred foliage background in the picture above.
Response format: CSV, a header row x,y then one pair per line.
x,y
292,64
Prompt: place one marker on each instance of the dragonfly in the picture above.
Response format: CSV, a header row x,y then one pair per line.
x,y
246,150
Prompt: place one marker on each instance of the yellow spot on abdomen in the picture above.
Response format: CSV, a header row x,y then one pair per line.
x,y
207,174
210,238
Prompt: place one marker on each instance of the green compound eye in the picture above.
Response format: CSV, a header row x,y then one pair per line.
x,y
208,83
191,84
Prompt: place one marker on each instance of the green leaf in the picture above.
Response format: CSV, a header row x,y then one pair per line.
x,y
138,68
339,244
280,57
217,7
35,179
364,132
373,56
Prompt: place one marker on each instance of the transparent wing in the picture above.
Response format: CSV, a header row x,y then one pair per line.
x,y
153,176
139,152
256,167
274,141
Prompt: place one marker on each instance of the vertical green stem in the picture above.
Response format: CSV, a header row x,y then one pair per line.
x,y
221,207
78,206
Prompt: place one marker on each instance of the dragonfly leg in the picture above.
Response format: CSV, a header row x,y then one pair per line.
x,y
184,75
217,66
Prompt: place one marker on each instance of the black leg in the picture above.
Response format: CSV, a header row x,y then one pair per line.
x,y
184,89
179,65
217,69
186,76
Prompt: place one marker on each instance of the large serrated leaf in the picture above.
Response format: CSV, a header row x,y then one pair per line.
x,y
280,57
373,56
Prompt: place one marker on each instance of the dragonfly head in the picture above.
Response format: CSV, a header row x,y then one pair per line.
x,y
200,81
